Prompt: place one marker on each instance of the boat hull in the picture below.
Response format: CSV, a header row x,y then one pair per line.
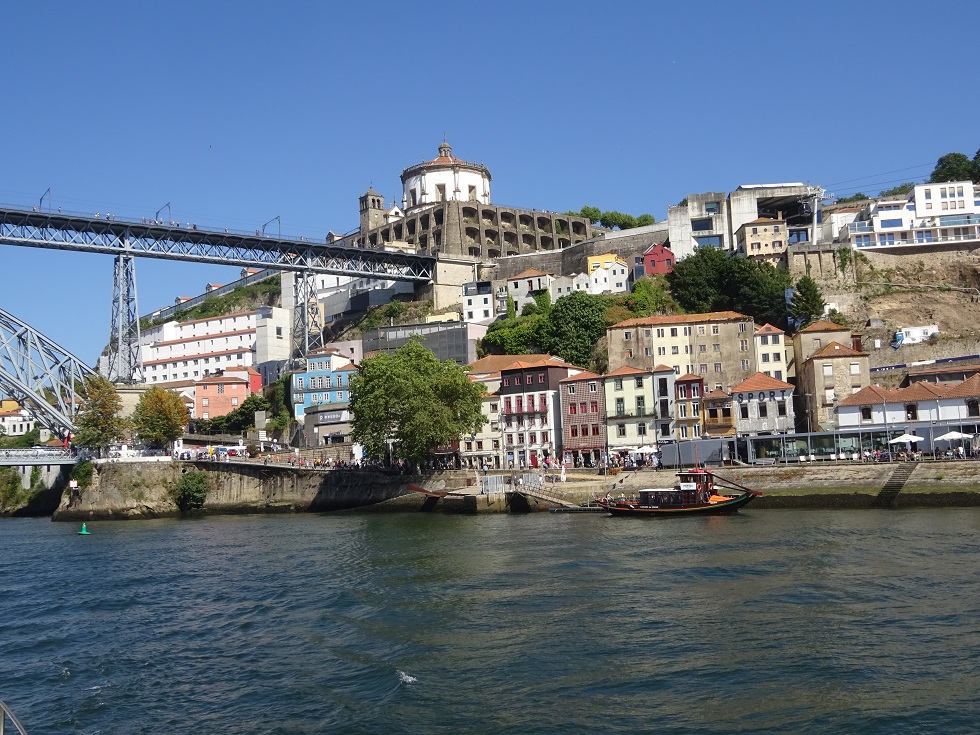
x,y
728,507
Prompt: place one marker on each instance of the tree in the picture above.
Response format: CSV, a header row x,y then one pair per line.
x,y
98,425
413,400
758,290
160,416
191,491
953,167
650,295
517,336
577,323
807,303
695,281
897,191
243,417
859,197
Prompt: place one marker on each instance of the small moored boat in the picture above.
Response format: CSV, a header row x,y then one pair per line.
x,y
697,492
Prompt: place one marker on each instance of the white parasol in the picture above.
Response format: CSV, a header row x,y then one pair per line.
x,y
951,436
906,439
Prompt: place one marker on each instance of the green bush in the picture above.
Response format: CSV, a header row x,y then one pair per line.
x,y
191,491
83,473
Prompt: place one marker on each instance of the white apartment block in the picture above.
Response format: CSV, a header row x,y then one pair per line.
x,y
179,351
608,273
771,355
929,214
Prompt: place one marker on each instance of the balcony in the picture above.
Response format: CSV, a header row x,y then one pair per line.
x,y
634,413
861,227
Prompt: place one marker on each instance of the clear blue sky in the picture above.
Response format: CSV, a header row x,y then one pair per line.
x,y
239,112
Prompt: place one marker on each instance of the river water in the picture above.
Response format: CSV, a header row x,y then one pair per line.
x,y
766,622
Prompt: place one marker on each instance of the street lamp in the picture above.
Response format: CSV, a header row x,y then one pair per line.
x,y
40,204
278,229
166,206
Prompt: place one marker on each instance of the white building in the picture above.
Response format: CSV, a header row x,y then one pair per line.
x,y
179,351
771,354
15,421
930,213
445,178
525,284
608,273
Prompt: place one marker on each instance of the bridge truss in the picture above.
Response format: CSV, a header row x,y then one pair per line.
x,y
127,239
40,375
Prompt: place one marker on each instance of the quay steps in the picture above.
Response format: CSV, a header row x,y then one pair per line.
x,y
894,484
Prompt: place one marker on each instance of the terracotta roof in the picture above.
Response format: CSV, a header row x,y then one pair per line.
x,y
822,325
760,381
346,368
529,273
714,316
868,394
762,221
769,329
584,375
687,377
836,349
524,365
496,363
221,379
948,368
715,395
663,368
969,388
626,370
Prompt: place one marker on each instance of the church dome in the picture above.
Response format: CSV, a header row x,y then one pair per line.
x,y
445,178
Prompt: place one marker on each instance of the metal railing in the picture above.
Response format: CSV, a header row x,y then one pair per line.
x,y
5,715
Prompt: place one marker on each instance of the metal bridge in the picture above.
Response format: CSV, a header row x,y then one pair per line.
x,y
40,375
168,240
35,458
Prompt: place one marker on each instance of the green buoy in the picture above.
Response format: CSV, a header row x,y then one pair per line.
x,y
84,531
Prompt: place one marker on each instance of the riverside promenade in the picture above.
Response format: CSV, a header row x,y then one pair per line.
x,y
133,490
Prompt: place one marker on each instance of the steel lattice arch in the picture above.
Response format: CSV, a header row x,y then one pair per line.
x,y
40,375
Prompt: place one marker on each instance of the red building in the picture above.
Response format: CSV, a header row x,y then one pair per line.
x,y
658,259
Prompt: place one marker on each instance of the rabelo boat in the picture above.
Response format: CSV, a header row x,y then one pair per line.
x,y
697,492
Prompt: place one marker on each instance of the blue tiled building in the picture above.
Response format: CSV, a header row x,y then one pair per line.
x,y
326,380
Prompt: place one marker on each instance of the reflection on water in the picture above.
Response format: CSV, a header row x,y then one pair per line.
x,y
771,621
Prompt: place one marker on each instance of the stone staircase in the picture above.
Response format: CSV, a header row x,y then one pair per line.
x,y
894,484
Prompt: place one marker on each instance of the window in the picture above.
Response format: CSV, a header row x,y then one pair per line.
x,y
641,428
711,207
234,401
765,357
778,374
661,351
780,408
627,335
647,352
702,348
717,367
828,371
743,345
620,430
204,402
855,368
911,412
221,388
592,388
701,225
742,327
660,333
674,350
506,382
581,407
764,339
617,384
571,389
973,408
572,409
682,391
620,406
696,410
744,410
775,339
594,407
595,429
682,410
574,430
745,364
639,382
673,331
777,357
828,396
763,410
701,330
629,354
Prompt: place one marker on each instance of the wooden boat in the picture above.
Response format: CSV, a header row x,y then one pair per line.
x,y
697,492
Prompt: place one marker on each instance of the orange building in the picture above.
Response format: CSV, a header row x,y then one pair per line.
x,y
224,391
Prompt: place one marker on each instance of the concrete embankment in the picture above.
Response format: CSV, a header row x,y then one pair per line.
x,y
144,490
827,485
131,490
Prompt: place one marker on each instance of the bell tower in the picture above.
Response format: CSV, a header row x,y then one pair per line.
x,y
372,210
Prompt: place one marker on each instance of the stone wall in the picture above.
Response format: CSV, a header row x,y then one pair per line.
x,y
142,490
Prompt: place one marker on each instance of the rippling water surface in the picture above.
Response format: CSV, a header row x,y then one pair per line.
x,y
771,621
